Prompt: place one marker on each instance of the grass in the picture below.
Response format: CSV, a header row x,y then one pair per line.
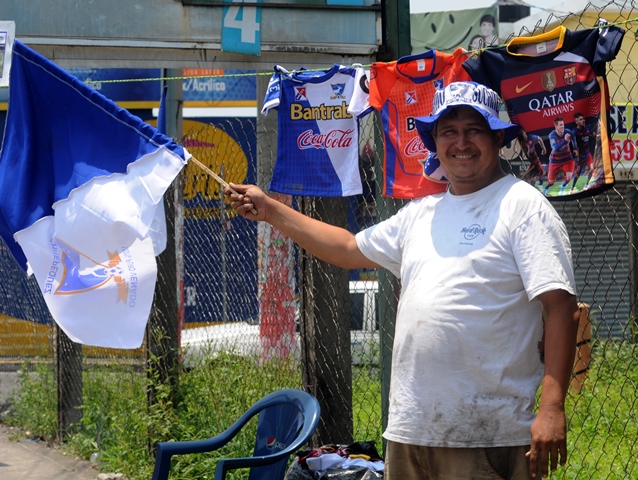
x,y
602,419
117,421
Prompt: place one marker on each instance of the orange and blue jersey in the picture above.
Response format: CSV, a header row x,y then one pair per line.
x,y
402,91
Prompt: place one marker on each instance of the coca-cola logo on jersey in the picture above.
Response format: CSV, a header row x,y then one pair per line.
x,y
414,147
333,139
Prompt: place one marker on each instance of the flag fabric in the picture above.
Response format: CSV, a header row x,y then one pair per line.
x,y
81,180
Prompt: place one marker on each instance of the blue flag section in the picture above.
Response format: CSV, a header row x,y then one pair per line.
x,y
80,184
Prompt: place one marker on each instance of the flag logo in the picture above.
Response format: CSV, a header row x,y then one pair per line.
x,y
300,94
410,98
75,280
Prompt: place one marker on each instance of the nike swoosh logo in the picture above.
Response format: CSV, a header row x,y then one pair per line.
x,y
520,89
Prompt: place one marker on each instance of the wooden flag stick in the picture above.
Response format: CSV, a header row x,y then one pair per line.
x,y
219,179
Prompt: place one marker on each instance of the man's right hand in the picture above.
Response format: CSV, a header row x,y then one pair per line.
x,y
246,199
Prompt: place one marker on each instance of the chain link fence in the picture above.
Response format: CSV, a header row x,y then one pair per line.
x,y
264,315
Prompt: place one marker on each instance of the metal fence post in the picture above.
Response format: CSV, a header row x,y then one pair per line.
x,y
325,331
68,369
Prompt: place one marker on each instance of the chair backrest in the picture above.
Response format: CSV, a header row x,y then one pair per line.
x,y
277,428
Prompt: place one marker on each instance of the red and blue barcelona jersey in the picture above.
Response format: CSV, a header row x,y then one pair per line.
x,y
402,91
318,139
557,74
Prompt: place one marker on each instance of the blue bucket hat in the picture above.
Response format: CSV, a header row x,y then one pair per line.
x,y
470,94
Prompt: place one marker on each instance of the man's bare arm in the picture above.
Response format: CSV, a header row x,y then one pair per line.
x,y
549,430
332,244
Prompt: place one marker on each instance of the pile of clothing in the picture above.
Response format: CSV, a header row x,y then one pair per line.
x,y
358,461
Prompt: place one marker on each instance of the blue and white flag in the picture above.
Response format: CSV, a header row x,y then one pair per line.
x,y
81,180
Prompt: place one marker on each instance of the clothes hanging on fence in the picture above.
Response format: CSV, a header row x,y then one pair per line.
x,y
318,140
554,86
402,91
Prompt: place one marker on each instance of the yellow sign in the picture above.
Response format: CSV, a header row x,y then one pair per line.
x,y
218,151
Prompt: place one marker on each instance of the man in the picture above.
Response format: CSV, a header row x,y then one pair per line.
x,y
478,264
584,143
535,172
561,158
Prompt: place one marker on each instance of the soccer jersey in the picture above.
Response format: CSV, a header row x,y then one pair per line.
x,y
318,139
402,91
556,74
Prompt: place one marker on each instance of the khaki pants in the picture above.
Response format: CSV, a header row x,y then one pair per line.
x,y
414,462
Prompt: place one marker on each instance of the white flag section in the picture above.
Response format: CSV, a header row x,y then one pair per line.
x,y
93,260
103,301
81,192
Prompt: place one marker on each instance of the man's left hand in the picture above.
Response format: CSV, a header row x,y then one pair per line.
x,y
549,441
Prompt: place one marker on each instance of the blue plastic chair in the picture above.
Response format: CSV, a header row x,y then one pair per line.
x,y
287,420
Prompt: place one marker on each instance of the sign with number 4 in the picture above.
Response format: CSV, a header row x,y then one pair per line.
x,y
241,27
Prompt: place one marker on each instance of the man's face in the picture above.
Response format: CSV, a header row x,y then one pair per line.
x,y
560,127
468,149
580,121
487,29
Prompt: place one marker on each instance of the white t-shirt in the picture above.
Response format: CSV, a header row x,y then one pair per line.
x,y
465,365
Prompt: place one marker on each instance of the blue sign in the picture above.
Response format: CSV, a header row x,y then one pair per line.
x,y
224,87
241,28
220,247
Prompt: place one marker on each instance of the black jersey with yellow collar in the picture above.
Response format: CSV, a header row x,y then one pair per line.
x,y
556,75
